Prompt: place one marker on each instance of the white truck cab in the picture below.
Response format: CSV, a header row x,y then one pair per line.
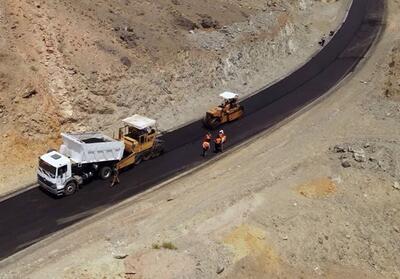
x,y
81,156
53,171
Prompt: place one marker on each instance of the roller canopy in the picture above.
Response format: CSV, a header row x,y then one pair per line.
x,y
228,95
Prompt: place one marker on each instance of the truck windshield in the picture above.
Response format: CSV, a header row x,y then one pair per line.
x,y
48,169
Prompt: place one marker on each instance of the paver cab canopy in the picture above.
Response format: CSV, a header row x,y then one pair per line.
x,y
139,122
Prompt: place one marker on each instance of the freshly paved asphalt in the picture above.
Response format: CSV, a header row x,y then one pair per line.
x,y
34,215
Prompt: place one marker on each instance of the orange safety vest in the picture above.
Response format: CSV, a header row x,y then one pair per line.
x,y
218,140
206,145
223,138
207,138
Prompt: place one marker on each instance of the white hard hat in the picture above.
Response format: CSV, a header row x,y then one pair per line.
x,y
221,131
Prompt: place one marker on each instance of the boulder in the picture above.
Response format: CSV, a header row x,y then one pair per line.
x,y
120,256
220,269
360,156
346,163
339,148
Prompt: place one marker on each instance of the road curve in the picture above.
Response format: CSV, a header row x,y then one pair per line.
x,y
32,215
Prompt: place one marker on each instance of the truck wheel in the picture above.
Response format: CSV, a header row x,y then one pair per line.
x,y
105,172
70,188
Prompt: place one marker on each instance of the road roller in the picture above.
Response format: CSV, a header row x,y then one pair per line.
x,y
228,111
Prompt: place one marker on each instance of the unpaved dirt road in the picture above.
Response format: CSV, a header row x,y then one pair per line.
x,y
317,198
83,65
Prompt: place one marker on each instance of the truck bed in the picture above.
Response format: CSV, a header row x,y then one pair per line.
x,y
91,147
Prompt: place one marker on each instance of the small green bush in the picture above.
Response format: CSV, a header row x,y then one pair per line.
x,y
166,245
169,245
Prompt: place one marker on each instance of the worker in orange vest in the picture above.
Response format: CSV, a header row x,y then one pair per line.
x,y
207,137
206,144
222,135
217,144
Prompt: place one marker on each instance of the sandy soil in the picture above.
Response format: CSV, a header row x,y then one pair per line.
x,y
84,65
317,198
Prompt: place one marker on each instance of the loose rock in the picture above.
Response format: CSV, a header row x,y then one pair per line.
x,y
29,93
120,256
359,156
339,148
126,61
346,163
220,269
208,22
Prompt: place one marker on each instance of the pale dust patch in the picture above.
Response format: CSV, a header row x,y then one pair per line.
x,y
342,271
80,216
166,264
233,215
95,271
317,188
249,242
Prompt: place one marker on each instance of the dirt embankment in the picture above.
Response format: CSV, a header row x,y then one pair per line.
x,y
82,65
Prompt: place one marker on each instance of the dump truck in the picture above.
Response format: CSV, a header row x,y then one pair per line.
x,y
228,111
83,156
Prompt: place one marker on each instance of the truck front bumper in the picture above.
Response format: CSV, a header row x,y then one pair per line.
x,y
49,187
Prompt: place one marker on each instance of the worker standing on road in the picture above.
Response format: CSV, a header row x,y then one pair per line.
x,y
115,179
222,135
217,144
207,137
206,144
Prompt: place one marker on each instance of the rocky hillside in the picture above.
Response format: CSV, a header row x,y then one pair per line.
x,y
84,65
